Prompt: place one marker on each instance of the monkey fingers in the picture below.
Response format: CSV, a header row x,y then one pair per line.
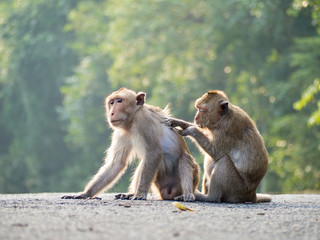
x,y
184,132
80,196
167,122
67,197
189,131
139,197
181,132
174,122
95,198
74,197
124,196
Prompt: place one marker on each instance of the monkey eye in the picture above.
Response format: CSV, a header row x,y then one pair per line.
x,y
202,110
117,100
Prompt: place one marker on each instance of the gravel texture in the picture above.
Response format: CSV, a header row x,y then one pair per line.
x,y
47,216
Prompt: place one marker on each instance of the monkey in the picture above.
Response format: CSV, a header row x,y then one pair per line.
x,y
235,155
166,165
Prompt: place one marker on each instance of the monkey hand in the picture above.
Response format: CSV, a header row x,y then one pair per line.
x,y
187,131
174,122
186,197
141,196
79,196
124,196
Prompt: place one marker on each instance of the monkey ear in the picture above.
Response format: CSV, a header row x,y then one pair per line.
x,y
223,107
140,98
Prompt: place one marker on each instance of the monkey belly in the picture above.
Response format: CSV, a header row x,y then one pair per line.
x,y
171,150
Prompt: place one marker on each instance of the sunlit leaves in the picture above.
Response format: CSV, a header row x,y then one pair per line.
x,y
311,94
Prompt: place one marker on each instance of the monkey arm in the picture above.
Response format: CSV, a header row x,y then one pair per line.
x,y
175,122
107,175
212,147
115,164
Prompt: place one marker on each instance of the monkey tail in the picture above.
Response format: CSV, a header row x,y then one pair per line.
x,y
263,198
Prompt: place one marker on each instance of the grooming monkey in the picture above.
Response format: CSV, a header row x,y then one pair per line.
x,y
235,155
138,130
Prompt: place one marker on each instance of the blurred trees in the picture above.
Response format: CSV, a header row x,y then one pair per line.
x,y
35,62
59,59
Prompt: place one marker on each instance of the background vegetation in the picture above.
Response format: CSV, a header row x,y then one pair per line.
x,y
60,58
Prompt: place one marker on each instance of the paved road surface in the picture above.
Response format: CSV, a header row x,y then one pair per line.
x,y
46,216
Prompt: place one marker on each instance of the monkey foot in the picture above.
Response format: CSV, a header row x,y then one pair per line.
x,y
187,197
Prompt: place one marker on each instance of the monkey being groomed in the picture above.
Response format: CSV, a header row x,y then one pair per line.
x,y
235,155
166,164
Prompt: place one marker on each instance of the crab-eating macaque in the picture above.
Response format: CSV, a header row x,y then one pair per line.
x,y
166,165
235,155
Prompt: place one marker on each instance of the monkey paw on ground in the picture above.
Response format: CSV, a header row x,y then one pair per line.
x,y
122,196
187,197
139,197
130,197
79,196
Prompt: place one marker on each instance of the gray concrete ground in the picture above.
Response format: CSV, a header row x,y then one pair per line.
x,y
47,216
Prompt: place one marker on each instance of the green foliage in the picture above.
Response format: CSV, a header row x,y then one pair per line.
x,y
306,59
308,96
33,69
59,59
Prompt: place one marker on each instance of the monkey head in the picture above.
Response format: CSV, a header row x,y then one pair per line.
x,y
121,107
211,107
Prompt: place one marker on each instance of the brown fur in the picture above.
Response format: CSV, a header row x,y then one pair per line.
x,y
166,163
236,158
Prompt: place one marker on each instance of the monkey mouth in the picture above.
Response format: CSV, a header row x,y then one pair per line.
x,y
115,121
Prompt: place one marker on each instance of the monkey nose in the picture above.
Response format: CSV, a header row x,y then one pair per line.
x,y
112,114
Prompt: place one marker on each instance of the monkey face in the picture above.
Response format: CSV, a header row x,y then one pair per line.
x,y
121,107
117,111
211,106
200,117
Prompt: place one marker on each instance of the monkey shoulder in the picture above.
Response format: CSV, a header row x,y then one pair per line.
x,y
149,124
156,113
239,124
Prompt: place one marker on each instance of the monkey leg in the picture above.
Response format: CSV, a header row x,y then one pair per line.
x,y
187,177
226,184
208,167
148,168
204,185
133,186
